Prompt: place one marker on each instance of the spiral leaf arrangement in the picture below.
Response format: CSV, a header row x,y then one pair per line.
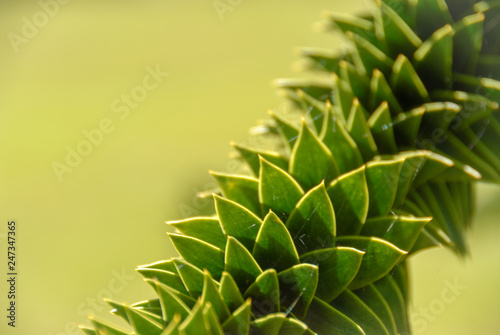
x,y
379,164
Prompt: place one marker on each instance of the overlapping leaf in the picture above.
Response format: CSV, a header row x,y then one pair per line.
x,y
380,165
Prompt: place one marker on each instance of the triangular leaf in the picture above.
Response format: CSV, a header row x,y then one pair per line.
x,y
350,23
298,286
399,37
143,324
211,295
265,293
251,156
191,276
237,221
337,268
344,149
274,246
311,161
371,56
230,292
121,310
239,322
288,132
359,130
317,88
170,303
407,127
406,83
211,321
402,231
200,254
356,78
321,59
240,264
382,181
350,200
277,190
380,257
343,97
312,222
381,127
203,228
195,323
433,59
467,43
315,109
151,306
438,118
241,189
427,164
380,91
165,277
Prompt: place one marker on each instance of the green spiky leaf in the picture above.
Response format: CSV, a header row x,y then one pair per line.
x,y
337,268
237,221
311,161
265,293
199,253
274,246
205,229
298,286
380,257
241,264
312,222
277,189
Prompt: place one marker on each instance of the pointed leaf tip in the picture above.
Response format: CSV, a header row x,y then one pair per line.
x,y
274,247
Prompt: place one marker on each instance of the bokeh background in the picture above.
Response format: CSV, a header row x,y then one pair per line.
x,y
82,235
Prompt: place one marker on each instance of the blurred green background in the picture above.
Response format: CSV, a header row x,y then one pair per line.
x,y
81,235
